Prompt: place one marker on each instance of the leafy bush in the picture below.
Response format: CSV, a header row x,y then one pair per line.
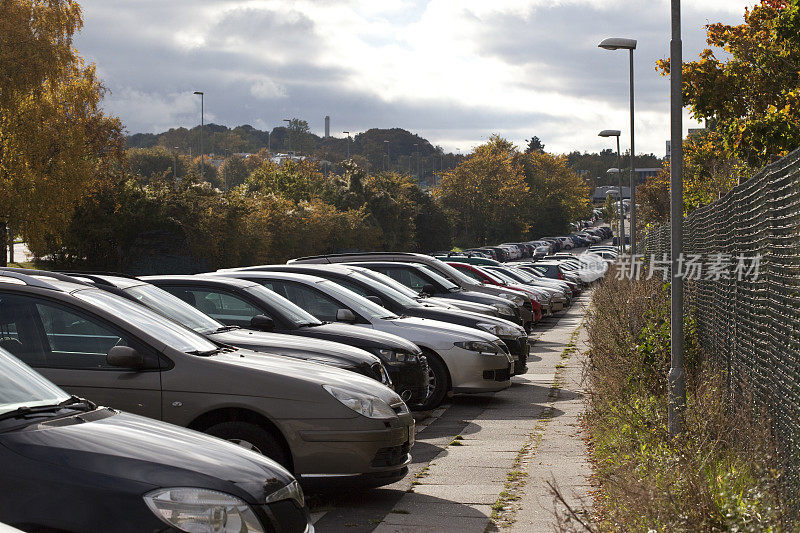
x,y
719,475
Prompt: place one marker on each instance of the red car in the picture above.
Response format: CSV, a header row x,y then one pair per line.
x,y
485,278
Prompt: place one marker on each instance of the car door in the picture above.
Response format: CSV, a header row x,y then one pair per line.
x,y
69,346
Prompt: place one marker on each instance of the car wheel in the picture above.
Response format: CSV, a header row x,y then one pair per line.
x,y
253,438
439,383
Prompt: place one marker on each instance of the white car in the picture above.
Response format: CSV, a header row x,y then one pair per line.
x,y
470,360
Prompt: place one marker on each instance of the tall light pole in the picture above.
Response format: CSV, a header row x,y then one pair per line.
x,y
202,152
348,144
616,43
288,139
269,142
175,163
419,175
677,376
616,133
387,155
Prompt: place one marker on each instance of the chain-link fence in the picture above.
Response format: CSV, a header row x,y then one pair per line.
x,y
750,325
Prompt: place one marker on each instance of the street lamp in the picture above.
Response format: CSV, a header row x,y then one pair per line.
x,y
288,139
348,144
616,133
202,152
677,375
387,155
617,43
175,163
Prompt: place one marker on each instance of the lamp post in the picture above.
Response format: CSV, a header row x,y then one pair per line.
x,y
616,43
269,142
202,152
677,376
387,155
175,163
348,144
616,133
288,139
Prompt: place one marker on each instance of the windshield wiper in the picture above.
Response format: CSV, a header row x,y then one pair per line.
x,y
223,329
73,402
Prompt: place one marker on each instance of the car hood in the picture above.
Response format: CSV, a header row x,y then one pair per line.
x,y
296,378
428,331
357,336
464,318
475,307
321,351
122,445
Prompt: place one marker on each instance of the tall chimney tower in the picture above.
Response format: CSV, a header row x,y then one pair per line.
x,y
327,126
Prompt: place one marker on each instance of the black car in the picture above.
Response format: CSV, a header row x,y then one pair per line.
x,y
250,305
353,278
317,351
71,465
419,277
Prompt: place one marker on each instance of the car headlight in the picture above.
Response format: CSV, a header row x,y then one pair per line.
x,y
501,330
292,491
478,346
363,404
202,511
504,310
395,357
516,299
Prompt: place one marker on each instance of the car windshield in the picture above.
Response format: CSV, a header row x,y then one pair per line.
x,y
173,335
504,277
357,303
446,283
173,308
21,386
284,307
388,281
387,292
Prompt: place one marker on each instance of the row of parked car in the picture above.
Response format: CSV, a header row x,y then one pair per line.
x,y
539,248
203,402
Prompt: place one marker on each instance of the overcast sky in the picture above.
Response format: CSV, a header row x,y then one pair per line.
x,y
454,71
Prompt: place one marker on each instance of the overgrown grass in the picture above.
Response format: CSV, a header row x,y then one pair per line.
x,y
719,475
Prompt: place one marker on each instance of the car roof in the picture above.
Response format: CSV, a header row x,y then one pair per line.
x,y
355,254
204,278
335,268
288,276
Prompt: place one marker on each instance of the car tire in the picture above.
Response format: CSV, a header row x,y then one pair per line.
x,y
252,437
439,375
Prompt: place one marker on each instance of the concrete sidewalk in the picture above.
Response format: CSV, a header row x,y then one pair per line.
x,y
494,473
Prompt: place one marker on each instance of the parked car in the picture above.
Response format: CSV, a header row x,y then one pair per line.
x,y
418,277
62,456
115,352
517,303
317,351
249,305
354,279
462,360
540,301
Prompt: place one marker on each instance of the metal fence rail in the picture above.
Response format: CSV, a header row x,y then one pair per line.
x,y
751,326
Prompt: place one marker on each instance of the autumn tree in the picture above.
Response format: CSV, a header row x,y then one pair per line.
x,y
486,197
55,141
747,85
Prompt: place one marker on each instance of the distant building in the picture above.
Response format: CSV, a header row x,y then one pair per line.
x,y
327,126
600,193
280,158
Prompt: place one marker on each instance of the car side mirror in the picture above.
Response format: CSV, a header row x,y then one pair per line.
x,y
262,323
345,315
376,300
429,289
125,357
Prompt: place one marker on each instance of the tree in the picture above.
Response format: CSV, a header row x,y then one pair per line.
x,y
534,145
233,171
55,141
297,133
559,194
486,196
751,95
